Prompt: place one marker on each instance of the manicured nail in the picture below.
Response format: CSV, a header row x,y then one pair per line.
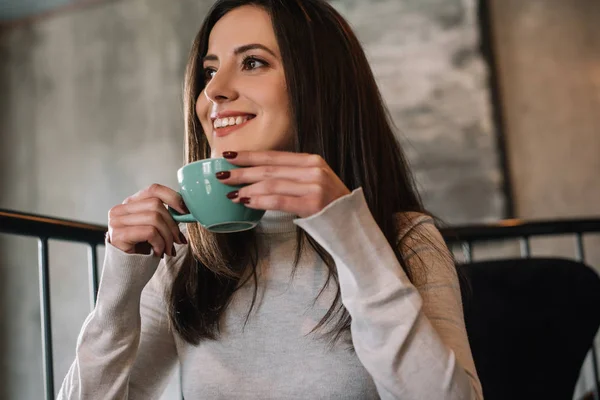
x,y
230,154
245,200
223,174
173,252
233,195
182,238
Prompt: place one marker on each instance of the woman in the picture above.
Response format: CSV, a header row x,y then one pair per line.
x,y
344,290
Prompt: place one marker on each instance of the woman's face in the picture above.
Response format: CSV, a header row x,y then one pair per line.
x,y
244,105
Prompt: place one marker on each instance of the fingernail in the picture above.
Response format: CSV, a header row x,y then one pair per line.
x,y
173,252
223,174
230,154
233,195
245,200
182,238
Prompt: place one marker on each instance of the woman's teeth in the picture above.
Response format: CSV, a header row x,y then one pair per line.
x,y
223,122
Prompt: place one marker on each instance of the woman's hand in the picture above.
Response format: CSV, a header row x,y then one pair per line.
x,y
302,184
142,222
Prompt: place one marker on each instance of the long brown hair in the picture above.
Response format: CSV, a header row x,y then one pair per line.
x,y
338,113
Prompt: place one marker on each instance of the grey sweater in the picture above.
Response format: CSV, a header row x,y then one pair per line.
x,y
409,338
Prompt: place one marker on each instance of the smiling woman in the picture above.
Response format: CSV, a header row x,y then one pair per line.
x,y
345,289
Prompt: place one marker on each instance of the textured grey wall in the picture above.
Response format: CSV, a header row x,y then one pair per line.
x,y
425,57
549,64
91,112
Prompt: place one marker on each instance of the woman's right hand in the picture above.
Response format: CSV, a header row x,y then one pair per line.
x,y
143,223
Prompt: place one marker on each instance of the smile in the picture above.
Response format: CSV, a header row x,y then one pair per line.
x,y
224,126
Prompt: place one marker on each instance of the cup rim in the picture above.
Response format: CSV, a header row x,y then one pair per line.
x,y
203,161
215,227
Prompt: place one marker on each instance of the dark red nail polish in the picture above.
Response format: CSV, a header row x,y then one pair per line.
x,y
173,252
245,200
223,174
230,154
182,238
233,195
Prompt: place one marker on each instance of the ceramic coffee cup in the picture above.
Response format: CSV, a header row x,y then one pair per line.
x,y
206,198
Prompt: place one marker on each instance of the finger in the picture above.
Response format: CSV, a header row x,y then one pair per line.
x,y
282,187
148,218
261,173
125,238
165,194
294,205
145,205
273,157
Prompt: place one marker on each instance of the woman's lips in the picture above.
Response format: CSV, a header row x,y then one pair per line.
x,y
220,132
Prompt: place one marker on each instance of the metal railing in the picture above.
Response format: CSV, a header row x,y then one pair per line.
x,y
46,228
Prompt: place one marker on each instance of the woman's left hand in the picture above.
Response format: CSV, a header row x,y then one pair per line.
x,y
302,184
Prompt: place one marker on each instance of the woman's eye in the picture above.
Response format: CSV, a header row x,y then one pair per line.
x,y
209,73
253,63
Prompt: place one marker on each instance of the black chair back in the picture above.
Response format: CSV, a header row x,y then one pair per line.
x,y
530,323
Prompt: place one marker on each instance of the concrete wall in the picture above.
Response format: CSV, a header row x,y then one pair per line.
x,y
90,112
426,60
549,64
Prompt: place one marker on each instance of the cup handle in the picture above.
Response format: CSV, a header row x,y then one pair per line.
x,y
178,217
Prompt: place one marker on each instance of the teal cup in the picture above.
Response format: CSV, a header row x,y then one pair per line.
x,y
206,198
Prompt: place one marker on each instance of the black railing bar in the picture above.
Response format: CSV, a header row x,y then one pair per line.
x,y
467,249
579,250
525,246
37,225
51,228
595,370
45,318
93,274
512,228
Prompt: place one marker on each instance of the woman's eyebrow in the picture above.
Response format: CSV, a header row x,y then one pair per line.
x,y
240,50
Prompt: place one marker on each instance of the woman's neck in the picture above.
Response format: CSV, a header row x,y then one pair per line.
x,y
277,222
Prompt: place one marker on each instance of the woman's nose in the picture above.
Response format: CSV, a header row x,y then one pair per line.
x,y
221,88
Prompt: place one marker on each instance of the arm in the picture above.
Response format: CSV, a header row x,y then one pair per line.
x,y
411,340
129,314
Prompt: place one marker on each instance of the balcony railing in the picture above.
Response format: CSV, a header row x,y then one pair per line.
x,y
45,228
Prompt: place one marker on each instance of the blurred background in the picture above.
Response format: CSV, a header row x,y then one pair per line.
x,y
497,104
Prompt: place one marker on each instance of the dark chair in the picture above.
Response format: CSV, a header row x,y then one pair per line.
x,y
530,323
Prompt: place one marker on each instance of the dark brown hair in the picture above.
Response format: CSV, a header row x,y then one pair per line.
x,y
344,121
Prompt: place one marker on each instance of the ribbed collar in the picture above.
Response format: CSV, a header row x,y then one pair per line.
x,y
274,222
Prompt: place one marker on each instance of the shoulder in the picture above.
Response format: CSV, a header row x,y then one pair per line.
x,y
423,249
411,225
